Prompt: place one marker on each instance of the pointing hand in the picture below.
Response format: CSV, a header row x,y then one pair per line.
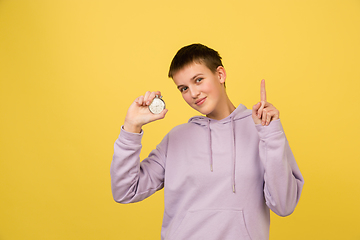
x,y
264,112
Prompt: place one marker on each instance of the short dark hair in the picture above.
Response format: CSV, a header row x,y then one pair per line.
x,y
195,53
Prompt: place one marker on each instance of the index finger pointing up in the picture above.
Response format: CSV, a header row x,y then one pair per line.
x,y
262,91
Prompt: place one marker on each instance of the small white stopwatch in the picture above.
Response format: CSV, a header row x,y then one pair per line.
x,y
157,105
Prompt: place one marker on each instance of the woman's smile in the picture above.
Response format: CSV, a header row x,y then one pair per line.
x,y
200,101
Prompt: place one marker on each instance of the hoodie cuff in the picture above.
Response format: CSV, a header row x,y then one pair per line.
x,y
273,128
129,137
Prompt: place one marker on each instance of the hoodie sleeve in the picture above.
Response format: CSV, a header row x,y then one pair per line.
x,y
283,181
132,180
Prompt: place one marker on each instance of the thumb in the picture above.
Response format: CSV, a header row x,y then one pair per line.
x,y
162,114
159,116
255,108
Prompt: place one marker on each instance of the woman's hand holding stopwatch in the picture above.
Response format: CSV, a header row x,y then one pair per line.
x,y
139,114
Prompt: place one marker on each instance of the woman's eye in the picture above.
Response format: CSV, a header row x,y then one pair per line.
x,y
183,89
199,80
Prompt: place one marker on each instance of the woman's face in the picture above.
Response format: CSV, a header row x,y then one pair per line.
x,y
201,88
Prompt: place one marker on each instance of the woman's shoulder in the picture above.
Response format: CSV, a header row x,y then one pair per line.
x,y
182,127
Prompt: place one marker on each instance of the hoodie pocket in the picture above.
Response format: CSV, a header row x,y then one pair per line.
x,y
210,224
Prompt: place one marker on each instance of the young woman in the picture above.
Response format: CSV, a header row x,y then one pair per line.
x,y
221,172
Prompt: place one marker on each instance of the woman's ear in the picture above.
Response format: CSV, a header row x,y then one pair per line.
x,y
221,74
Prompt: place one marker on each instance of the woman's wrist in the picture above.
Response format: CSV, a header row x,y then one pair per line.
x,y
132,128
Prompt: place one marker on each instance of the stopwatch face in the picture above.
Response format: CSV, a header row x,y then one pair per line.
x,y
157,105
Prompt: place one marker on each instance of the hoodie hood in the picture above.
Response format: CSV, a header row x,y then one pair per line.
x,y
240,112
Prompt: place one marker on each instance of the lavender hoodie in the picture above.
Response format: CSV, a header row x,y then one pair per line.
x,y
220,177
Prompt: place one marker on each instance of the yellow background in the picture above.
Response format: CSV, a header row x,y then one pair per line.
x,y
69,70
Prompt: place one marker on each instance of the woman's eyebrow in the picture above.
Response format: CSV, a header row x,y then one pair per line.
x,y
196,75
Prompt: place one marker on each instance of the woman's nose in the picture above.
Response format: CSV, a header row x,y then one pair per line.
x,y
194,92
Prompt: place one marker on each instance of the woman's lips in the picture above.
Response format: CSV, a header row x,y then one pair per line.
x,y
200,101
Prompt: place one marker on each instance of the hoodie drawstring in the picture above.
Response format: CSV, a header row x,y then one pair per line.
x,y
233,153
211,157
233,166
